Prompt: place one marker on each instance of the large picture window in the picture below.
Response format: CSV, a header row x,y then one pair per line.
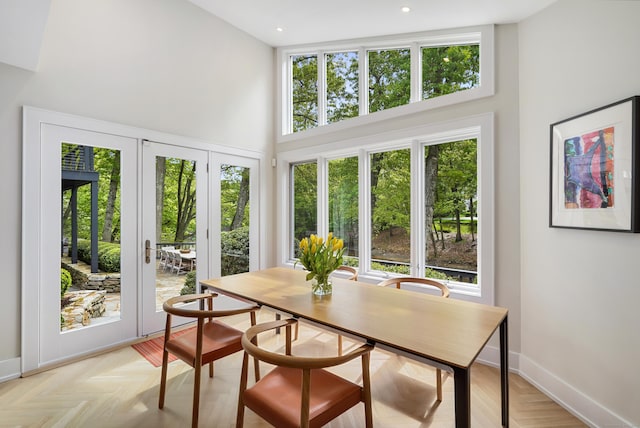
x,y
331,83
423,207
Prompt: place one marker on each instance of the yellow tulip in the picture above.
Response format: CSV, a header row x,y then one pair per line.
x,y
338,245
304,244
313,239
329,237
319,241
313,248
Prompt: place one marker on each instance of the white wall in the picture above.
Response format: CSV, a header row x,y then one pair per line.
x,y
580,289
164,65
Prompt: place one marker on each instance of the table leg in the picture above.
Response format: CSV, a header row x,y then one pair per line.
x,y
462,385
504,371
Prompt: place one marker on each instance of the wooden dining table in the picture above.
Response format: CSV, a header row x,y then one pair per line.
x,y
448,333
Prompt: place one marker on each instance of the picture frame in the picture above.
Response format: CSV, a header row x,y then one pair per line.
x,y
594,181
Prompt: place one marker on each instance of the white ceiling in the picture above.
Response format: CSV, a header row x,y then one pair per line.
x,y
311,21
22,22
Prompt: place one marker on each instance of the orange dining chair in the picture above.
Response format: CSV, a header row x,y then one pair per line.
x,y
209,341
427,283
299,392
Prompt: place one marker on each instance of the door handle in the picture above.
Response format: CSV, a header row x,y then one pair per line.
x,y
147,251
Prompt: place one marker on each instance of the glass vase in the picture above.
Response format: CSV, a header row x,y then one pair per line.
x,y
321,287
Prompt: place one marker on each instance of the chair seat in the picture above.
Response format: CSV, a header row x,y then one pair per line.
x,y
218,340
277,397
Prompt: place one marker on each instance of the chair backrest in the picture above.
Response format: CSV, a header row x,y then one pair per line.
x,y
444,290
286,361
176,306
351,270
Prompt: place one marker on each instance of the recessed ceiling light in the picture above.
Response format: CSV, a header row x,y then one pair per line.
x,y
279,29
406,9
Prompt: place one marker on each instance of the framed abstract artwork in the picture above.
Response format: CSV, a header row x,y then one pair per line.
x,y
594,177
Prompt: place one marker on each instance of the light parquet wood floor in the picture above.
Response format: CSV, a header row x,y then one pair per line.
x,y
120,389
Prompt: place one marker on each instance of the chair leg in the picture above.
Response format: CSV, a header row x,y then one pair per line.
x,y
196,396
243,386
366,390
339,345
439,384
211,369
256,362
163,378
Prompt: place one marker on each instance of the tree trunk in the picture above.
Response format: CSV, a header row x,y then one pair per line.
x,y
458,228
107,228
441,233
243,199
433,240
161,172
431,181
186,199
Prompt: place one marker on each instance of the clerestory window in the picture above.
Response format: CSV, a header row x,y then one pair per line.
x,y
327,84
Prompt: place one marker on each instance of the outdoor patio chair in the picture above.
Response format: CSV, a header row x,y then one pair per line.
x,y
299,392
178,266
427,283
209,341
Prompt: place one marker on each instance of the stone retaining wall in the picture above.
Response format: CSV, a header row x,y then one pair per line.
x,y
83,305
85,280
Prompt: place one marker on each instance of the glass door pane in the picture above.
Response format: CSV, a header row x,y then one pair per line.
x,y
235,206
174,226
90,273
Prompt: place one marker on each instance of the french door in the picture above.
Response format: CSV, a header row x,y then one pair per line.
x,y
79,175
174,227
102,211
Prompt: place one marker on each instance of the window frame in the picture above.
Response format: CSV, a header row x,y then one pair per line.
x,y
483,35
479,127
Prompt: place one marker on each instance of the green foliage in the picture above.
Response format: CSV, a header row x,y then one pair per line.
x,y
343,201
342,86
305,197
389,78
392,268
403,269
65,281
235,251
305,92
391,190
108,255
234,180
448,69
189,283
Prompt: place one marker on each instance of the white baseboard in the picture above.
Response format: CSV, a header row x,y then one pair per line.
x,y
583,407
9,369
574,401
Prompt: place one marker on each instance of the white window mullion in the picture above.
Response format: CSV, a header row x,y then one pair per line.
x,y
417,211
416,73
363,81
287,93
322,89
364,210
323,197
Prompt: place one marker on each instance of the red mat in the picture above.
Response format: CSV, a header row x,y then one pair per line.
x,y
151,349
